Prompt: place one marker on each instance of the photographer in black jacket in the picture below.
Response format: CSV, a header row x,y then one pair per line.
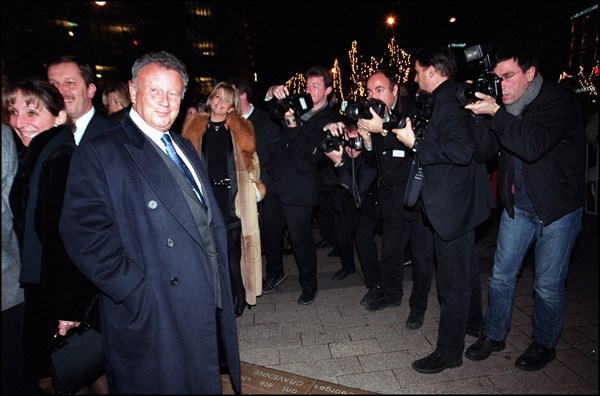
x,y
401,224
293,191
355,203
456,198
539,132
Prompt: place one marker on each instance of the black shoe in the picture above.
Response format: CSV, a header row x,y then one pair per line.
x,y
483,348
380,304
271,284
323,244
308,296
415,320
341,274
535,357
435,363
335,252
239,309
373,294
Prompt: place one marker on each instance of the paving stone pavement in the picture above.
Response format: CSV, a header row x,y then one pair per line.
x,y
335,340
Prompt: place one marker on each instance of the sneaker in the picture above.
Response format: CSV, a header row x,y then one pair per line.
x,y
535,357
271,284
483,348
380,304
435,363
308,296
373,294
415,320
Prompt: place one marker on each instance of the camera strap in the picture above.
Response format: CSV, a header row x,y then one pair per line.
x,y
415,180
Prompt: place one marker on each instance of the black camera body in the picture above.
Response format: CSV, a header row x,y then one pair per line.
x,y
487,82
331,143
360,108
423,111
300,103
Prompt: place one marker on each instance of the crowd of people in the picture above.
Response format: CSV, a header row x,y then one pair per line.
x,y
156,235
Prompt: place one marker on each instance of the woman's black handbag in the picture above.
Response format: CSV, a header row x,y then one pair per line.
x,y
77,360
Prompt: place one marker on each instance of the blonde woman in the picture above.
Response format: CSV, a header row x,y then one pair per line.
x,y
226,143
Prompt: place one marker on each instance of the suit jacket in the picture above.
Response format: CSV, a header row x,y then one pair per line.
x,y
98,124
12,294
295,162
456,190
393,161
267,135
132,233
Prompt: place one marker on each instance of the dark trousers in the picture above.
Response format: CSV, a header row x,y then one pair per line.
x,y
397,232
13,375
234,256
298,220
459,289
355,226
325,215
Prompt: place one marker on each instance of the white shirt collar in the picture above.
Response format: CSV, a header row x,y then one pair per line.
x,y
152,133
246,115
82,123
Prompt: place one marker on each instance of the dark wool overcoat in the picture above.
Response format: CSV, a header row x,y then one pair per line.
x,y
129,228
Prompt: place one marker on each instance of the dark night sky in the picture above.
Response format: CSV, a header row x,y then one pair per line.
x,y
290,36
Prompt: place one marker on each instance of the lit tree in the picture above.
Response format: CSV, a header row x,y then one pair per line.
x,y
394,58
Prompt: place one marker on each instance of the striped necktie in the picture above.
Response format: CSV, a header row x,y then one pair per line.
x,y
166,139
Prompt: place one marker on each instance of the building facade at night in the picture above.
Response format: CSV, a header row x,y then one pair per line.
x,y
112,35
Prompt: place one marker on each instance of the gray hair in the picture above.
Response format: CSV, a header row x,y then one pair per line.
x,y
164,59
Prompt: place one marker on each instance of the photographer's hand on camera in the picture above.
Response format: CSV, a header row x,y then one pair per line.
x,y
277,91
406,135
374,125
336,156
335,128
485,106
290,119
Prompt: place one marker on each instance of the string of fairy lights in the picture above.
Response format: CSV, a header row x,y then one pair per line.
x,y
394,57
398,60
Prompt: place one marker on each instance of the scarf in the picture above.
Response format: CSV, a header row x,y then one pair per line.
x,y
530,94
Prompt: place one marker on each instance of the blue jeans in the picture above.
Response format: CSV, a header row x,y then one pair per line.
x,y
553,247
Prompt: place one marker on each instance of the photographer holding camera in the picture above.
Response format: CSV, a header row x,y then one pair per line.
x,y
293,191
401,224
456,197
540,135
354,203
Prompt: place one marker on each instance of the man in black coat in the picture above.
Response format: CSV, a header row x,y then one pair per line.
x,y
456,198
539,132
75,80
293,192
401,224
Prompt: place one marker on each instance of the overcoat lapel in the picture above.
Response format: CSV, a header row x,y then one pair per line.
x,y
161,179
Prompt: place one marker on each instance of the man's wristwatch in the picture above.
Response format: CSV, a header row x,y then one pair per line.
x,y
338,164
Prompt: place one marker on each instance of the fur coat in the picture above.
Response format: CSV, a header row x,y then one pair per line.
x,y
249,190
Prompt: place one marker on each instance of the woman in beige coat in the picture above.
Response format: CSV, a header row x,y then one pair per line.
x,y
226,143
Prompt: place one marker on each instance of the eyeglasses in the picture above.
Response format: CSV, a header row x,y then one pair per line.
x,y
508,76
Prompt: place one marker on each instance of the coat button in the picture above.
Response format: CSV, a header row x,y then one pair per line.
x,y
152,204
170,243
174,281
